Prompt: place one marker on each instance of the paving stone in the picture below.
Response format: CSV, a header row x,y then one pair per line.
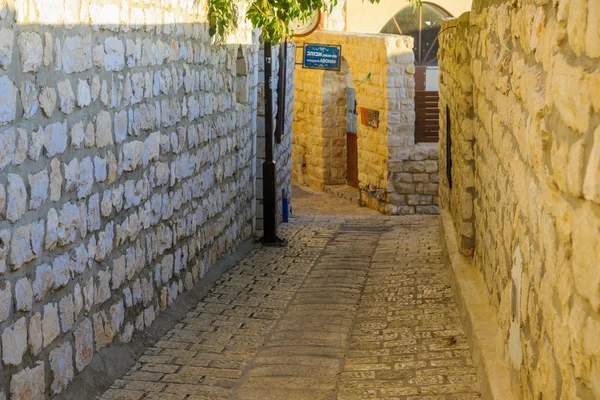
x,y
357,305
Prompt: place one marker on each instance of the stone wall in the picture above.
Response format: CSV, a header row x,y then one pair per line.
x,y
381,67
282,152
531,70
456,114
126,171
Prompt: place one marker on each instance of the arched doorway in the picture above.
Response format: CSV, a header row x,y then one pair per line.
x,y
423,24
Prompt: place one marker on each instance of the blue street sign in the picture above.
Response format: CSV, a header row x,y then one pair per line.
x,y
319,56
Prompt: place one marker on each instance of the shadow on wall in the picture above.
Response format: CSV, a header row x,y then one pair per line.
x,y
127,143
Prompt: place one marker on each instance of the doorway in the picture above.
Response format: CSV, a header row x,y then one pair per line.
x,y
423,24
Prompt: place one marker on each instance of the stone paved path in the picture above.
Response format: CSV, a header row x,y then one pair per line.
x,y
357,306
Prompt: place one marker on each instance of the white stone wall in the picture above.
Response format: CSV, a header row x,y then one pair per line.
x,y
527,137
282,152
126,171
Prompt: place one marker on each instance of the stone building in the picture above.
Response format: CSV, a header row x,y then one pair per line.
x,y
129,154
393,173
520,191
403,181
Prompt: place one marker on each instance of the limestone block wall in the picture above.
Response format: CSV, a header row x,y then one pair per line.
x,y
319,143
412,167
282,152
381,67
126,171
456,115
535,70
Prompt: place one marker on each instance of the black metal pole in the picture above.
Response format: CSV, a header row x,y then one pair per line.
x,y
281,92
269,168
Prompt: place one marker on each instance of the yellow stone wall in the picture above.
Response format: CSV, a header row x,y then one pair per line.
x,y
532,138
456,100
319,156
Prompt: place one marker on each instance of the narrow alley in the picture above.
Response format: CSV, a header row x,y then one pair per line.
x,y
357,306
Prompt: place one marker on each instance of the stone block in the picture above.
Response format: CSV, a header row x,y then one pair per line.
x,y
55,138
66,97
67,313
84,93
423,178
8,145
591,184
23,295
38,187
55,180
86,178
35,338
61,365
418,154
104,129
430,188
22,144
431,166
26,243
48,48
77,53
43,282
5,301
14,342
413,199
29,383
573,106
29,99
8,99
427,210
414,166
102,330
586,253
30,48
84,350
50,324
47,100
7,38
17,198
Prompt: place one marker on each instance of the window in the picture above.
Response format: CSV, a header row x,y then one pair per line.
x,y
423,24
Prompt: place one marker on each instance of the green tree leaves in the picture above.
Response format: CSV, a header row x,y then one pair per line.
x,y
272,16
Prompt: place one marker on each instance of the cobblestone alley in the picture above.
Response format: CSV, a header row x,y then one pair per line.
x,y
357,306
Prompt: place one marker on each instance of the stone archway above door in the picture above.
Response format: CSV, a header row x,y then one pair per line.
x,y
423,25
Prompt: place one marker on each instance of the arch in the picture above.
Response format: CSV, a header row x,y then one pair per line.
x,y
423,24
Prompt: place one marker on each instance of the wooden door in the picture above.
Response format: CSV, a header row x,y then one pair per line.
x,y
427,121
351,139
